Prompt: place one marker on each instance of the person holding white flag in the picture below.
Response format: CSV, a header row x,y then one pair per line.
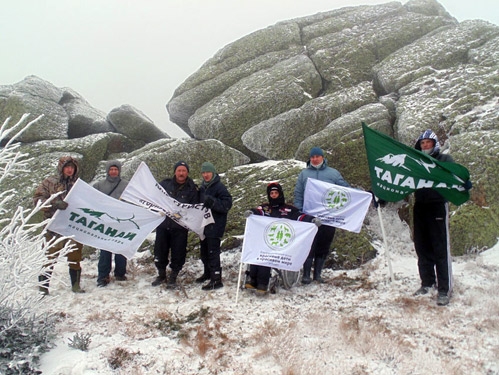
x,y
318,169
113,185
214,196
68,171
171,237
259,275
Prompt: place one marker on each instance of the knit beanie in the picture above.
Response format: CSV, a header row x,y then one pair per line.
x,y
316,151
208,167
178,164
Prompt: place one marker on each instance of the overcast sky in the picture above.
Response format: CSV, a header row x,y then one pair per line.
x,y
116,52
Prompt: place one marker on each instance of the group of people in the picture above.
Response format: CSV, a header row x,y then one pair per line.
x,y
171,238
431,229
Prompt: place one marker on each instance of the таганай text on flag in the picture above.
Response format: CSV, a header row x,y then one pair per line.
x,y
95,219
336,206
279,243
397,170
143,190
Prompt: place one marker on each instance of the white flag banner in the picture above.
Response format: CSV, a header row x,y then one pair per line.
x,y
95,219
279,243
143,190
336,206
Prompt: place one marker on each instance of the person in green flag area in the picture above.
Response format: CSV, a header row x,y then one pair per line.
x,y
397,170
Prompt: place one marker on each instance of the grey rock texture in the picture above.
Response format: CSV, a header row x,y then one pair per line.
x,y
402,68
274,94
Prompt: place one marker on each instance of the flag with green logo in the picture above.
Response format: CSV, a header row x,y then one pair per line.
x,y
397,170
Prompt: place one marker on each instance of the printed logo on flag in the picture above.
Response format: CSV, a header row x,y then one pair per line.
x,y
336,200
278,235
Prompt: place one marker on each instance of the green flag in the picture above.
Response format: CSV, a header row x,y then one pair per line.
x,y
397,170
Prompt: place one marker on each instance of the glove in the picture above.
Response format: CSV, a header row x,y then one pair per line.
x,y
208,201
317,221
468,185
248,213
60,205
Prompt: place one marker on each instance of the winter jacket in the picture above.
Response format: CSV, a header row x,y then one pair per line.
x,y
221,206
322,173
112,186
278,208
428,195
187,192
55,184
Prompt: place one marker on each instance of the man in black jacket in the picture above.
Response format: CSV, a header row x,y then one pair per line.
x,y
215,196
170,236
431,229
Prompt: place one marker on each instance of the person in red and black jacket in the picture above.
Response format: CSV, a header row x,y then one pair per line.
x,y
259,276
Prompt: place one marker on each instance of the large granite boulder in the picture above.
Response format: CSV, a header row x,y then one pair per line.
x,y
83,118
134,124
38,98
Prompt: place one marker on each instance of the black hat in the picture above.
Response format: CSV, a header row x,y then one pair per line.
x,y
179,163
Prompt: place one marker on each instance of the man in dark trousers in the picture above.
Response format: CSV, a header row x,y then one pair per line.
x,y
113,185
215,196
431,229
170,236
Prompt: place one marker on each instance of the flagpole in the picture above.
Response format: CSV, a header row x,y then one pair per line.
x,y
239,277
387,252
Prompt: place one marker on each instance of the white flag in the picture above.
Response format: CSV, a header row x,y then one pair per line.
x,y
336,206
145,191
95,219
278,243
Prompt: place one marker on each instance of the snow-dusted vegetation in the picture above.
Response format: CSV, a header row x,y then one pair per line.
x,y
25,328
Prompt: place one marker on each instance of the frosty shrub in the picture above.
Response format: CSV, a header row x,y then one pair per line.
x,y
25,330
80,341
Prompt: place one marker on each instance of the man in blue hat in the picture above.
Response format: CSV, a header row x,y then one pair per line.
x,y
318,169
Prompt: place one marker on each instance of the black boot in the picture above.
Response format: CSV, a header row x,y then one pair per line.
x,y
160,279
205,276
215,281
43,284
75,281
318,266
172,280
307,267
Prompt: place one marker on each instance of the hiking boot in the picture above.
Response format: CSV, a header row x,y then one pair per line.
x,y
172,280
260,292
201,279
75,276
159,280
121,278
443,299
249,286
423,290
102,283
306,280
212,285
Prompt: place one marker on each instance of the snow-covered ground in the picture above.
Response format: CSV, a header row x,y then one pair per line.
x,y
359,322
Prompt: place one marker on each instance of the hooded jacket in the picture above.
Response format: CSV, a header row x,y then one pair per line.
x,y
55,184
278,207
428,195
112,186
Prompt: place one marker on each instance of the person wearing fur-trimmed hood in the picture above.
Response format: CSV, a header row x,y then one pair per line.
x,y
113,185
68,172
